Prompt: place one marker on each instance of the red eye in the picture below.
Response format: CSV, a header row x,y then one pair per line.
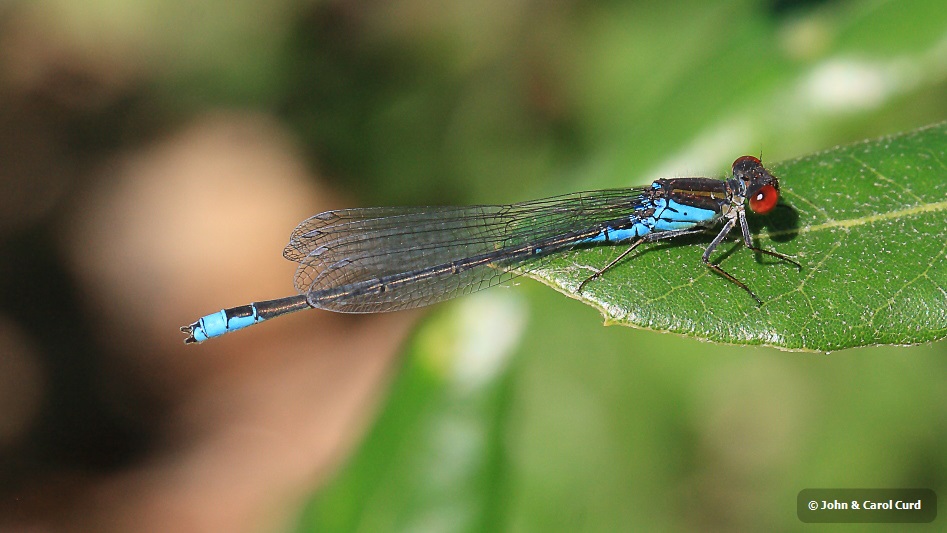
x,y
764,200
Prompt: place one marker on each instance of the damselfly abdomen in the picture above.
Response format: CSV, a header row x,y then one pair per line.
x,y
382,259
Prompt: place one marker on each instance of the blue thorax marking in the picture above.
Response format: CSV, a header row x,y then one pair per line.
x,y
672,215
663,214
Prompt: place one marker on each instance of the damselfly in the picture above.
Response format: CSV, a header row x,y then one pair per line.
x,y
391,258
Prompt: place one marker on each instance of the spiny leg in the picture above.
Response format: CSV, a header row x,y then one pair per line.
x,y
748,241
611,264
777,256
739,283
651,237
727,227
710,249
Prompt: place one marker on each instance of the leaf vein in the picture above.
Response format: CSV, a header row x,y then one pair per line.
x,y
860,221
886,179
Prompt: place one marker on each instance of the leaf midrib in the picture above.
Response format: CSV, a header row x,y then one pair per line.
x,y
860,221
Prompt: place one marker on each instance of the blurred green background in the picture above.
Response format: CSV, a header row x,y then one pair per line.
x,y
155,155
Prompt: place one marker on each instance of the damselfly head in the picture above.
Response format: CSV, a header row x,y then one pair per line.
x,y
762,188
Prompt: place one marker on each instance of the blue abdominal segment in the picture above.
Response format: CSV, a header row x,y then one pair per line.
x,y
225,321
616,235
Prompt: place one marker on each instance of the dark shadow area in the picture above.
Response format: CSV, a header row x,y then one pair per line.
x,y
78,428
782,223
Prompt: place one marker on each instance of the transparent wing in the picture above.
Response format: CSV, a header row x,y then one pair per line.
x,y
391,258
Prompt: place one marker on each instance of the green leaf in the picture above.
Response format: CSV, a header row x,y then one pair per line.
x,y
435,458
868,223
